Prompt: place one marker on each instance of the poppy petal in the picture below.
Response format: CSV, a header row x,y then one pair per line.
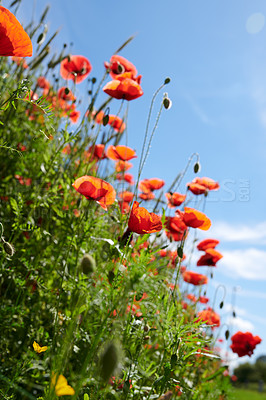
x,y
14,41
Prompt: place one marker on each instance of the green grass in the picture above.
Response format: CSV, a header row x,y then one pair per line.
x,y
244,394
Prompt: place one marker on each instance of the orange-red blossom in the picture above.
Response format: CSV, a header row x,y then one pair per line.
x,y
120,152
210,317
194,278
195,219
14,41
202,185
124,87
142,221
96,189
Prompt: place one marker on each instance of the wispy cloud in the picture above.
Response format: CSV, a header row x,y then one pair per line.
x,y
198,110
240,324
255,234
244,263
241,312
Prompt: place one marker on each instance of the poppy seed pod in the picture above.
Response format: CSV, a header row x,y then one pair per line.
x,y
109,361
196,167
9,248
167,103
87,264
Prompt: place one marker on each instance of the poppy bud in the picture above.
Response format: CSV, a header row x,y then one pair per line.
x,y
93,80
167,80
105,120
40,38
109,361
9,248
221,304
180,252
167,103
87,264
196,167
227,333
146,328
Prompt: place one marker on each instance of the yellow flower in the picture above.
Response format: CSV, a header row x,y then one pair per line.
x,y
61,386
38,348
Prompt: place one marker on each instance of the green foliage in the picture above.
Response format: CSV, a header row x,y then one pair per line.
x,y
117,307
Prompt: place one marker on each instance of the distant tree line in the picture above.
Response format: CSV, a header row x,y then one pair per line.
x,y
248,372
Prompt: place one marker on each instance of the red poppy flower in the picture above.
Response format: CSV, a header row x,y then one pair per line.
x,y
195,219
95,152
129,178
123,87
124,207
244,343
210,317
94,115
146,196
20,61
23,181
126,196
118,65
121,166
14,41
194,278
76,68
175,199
202,185
203,299
44,84
191,297
65,94
120,152
163,253
74,115
149,185
141,221
207,244
210,258
176,229
95,189
116,123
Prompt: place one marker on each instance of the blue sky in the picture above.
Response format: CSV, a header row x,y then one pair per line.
x,y
215,55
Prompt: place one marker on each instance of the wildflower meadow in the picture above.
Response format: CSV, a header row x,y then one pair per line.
x,y
100,295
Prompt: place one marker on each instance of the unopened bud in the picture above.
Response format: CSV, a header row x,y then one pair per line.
x,y
146,328
105,120
87,264
167,103
196,167
167,80
9,248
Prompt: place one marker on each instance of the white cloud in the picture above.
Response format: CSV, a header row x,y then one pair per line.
x,y
240,324
244,263
226,232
